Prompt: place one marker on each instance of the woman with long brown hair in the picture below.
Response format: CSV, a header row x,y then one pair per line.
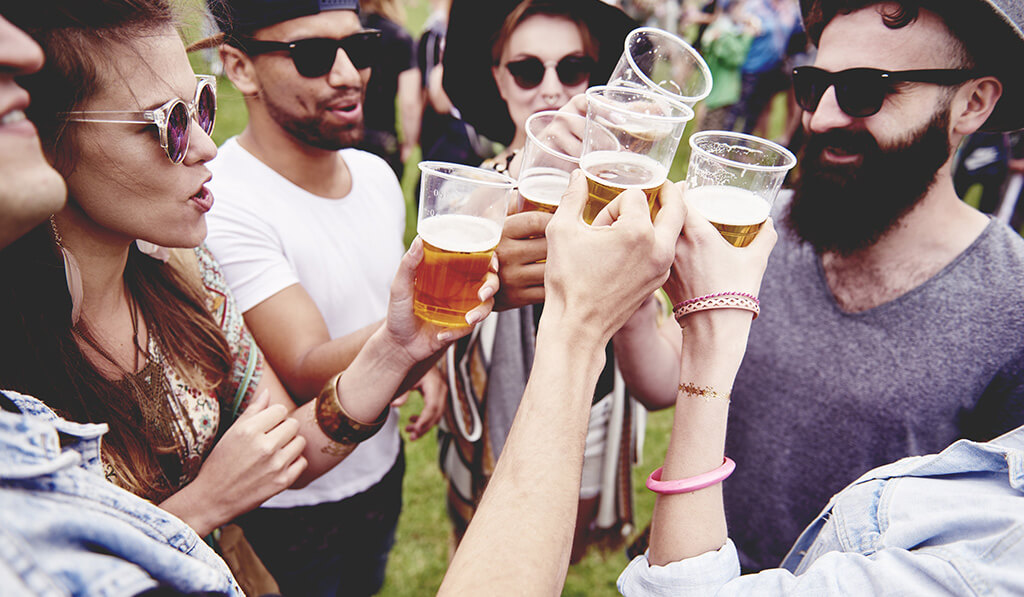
x,y
151,342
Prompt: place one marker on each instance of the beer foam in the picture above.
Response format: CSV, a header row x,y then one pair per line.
x,y
544,185
460,233
624,170
729,206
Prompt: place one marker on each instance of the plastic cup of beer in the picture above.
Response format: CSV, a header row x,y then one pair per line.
x,y
733,179
462,210
659,60
554,141
630,139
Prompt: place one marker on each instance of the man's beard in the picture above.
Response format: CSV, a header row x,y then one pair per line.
x,y
847,208
312,130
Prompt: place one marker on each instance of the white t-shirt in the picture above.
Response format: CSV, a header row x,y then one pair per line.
x,y
268,234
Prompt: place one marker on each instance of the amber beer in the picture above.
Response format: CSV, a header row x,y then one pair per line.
x,y
609,173
457,252
737,213
542,188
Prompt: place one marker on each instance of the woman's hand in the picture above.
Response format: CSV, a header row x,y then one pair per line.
x,y
705,263
414,337
259,456
602,273
520,253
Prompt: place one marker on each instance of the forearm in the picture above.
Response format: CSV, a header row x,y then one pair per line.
x,y
687,525
520,538
305,375
196,509
365,390
647,354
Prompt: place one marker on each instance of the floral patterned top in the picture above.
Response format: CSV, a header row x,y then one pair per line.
x,y
203,407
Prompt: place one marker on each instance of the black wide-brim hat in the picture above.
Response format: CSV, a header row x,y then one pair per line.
x,y
996,38
472,27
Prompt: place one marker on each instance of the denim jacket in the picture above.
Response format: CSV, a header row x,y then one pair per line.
x,y
65,530
947,523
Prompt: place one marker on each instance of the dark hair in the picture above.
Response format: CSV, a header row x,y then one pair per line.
x,y
529,8
43,348
967,22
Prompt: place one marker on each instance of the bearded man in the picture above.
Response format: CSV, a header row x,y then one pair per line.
x,y
892,312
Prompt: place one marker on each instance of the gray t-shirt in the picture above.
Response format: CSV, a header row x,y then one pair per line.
x,y
824,396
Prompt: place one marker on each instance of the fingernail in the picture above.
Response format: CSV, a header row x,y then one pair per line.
x,y
473,317
444,336
485,293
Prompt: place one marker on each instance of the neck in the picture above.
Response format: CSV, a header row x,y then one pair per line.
x,y
321,172
101,257
925,240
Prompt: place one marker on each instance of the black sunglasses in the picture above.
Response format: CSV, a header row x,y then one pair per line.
x,y
314,57
860,92
572,70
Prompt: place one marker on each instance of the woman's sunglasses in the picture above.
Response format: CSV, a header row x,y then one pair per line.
x,y
314,57
572,71
860,92
172,119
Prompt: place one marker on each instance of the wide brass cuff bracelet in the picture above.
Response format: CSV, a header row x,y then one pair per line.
x,y
337,424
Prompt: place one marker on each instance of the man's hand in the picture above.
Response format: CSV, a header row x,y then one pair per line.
x,y
522,245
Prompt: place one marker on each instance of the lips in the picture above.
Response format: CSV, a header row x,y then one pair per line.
x,y
203,199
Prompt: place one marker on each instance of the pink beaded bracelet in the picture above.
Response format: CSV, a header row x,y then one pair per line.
x,y
655,484
720,300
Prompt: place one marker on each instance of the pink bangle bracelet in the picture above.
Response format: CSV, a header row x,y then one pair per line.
x,y
655,484
682,304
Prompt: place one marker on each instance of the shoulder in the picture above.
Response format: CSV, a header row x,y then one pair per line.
x,y
366,166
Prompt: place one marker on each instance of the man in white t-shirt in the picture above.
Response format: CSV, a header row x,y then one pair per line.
x,y
309,234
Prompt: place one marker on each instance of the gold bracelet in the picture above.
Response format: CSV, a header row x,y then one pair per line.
x,y
706,393
338,425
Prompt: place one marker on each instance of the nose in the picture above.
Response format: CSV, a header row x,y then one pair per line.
x,y
201,147
550,86
18,52
343,73
828,115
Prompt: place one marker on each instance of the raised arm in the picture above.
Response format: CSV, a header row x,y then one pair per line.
x,y
520,538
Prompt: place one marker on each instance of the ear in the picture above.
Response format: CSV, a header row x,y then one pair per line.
x,y
973,104
238,67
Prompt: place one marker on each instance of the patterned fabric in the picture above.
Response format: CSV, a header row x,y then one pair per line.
x,y
204,406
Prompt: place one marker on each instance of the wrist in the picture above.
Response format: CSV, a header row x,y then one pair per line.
x,y
714,343
184,504
561,326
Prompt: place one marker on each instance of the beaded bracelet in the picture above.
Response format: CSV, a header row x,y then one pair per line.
x,y
338,425
690,484
719,300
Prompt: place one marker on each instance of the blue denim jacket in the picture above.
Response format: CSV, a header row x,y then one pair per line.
x,y
947,523
65,530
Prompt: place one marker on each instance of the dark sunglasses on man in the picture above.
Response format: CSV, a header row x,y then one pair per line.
x,y
314,57
572,70
860,92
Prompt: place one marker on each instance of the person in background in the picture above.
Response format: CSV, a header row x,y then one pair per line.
x,y
883,340
395,76
726,42
309,233
505,61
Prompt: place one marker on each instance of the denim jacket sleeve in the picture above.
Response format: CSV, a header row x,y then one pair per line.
x,y
951,523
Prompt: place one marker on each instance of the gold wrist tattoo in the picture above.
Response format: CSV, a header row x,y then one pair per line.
x,y
343,431
706,393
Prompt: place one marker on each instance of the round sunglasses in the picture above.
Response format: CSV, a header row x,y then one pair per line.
x,y
860,92
314,57
572,70
172,119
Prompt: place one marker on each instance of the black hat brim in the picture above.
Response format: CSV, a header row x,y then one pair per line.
x,y
472,27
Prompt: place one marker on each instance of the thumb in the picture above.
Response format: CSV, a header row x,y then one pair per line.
x,y
402,285
258,405
574,198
